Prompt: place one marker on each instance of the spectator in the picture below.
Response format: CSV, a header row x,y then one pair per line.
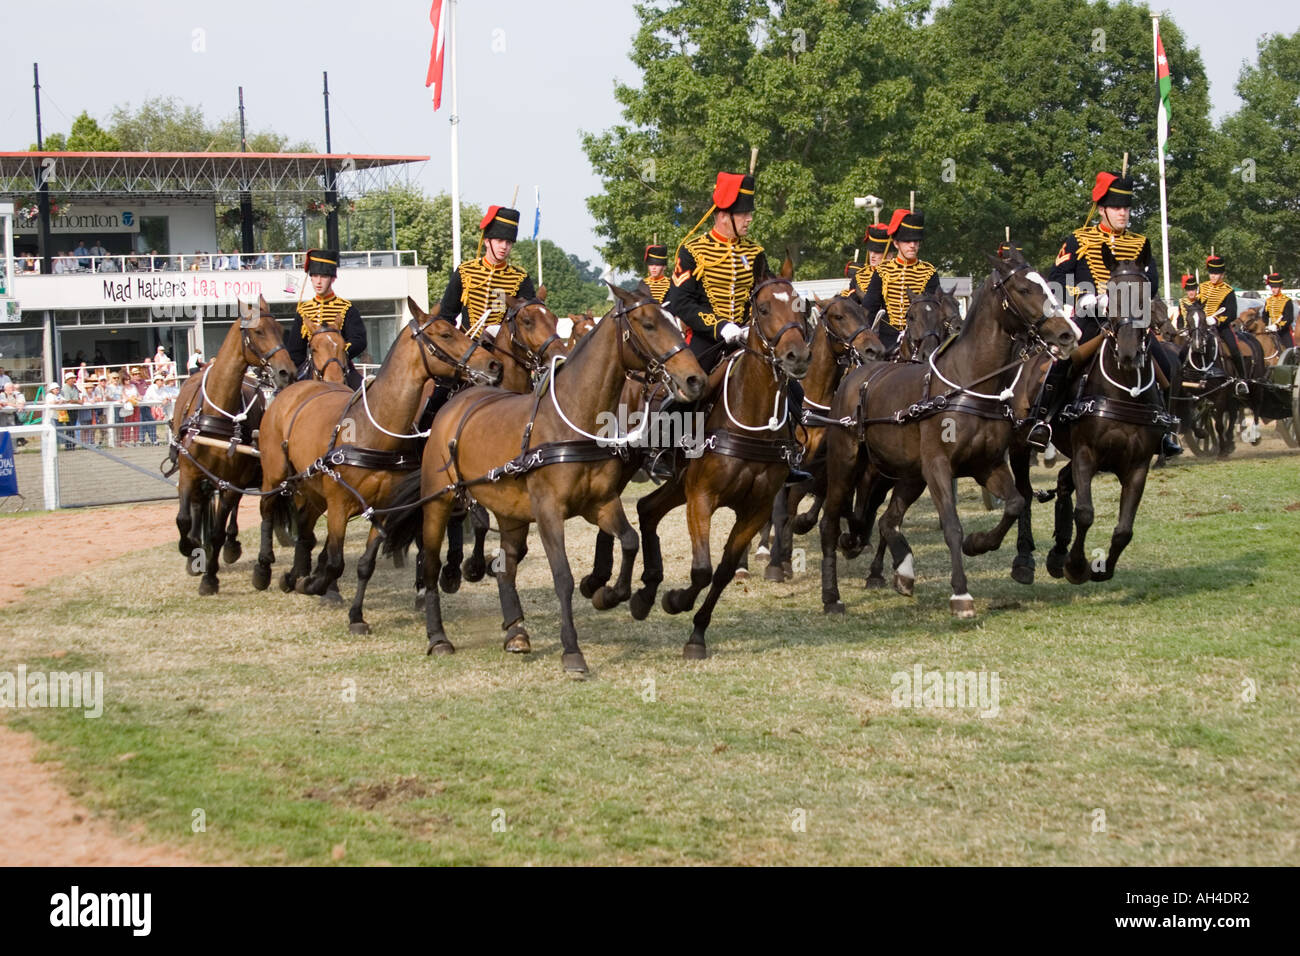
x,y
11,403
219,260
195,360
130,414
63,263
29,263
96,395
154,400
161,363
98,252
113,393
170,390
57,400
108,264
83,255
4,378
133,264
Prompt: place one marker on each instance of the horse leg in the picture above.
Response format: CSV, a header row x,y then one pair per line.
x,y
1000,482
475,565
939,479
266,551
514,544
891,524
612,521
807,520
602,566
841,479
233,550
302,548
550,525
1022,568
650,511
790,507
449,579
330,565
1130,496
747,525
365,568
184,520
1062,528
699,519
222,502
1076,566
419,579
876,573
782,541
436,515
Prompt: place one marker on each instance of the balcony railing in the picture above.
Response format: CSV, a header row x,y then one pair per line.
x,y
208,262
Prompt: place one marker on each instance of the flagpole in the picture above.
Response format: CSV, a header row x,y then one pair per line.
x,y
537,239
1160,151
455,139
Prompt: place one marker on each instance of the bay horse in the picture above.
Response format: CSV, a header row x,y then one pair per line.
x,y
535,458
922,425
347,449
1255,322
1115,425
218,403
841,339
738,469
1203,395
328,353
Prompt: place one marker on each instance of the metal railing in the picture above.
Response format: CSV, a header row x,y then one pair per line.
x,y
209,262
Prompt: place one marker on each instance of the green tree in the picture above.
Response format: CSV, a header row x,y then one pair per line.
x,y
1262,157
86,136
423,224
568,290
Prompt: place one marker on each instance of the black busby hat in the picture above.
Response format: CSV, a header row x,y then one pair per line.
x,y
1112,190
656,255
1190,285
1215,263
734,193
321,262
877,237
907,226
500,223
1274,278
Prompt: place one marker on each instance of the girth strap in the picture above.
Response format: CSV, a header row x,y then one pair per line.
x,y
753,449
1119,410
373,459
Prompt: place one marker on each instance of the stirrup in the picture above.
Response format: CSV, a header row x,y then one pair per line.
x,y
663,467
1039,436
1170,446
797,476
1241,388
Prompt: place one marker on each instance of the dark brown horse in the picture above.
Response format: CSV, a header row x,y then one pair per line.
x,y
922,425
349,448
745,458
218,405
537,458
1114,425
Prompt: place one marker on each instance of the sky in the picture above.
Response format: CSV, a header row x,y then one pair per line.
x,y
532,77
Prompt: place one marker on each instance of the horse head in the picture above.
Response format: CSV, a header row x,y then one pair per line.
x,y
654,339
1029,305
848,330
1200,331
437,349
931,318
778,319
533,331
329,354
1128,310
262,341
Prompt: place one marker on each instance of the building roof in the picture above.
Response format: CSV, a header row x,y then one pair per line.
x,y
219,176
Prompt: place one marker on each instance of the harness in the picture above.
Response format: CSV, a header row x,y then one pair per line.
x,y
333,359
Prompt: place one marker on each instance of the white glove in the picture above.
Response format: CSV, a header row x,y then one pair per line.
x,y
1095,303
1272,328
730,332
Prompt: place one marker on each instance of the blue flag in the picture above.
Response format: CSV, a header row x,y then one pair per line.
x,y
8,473
537,218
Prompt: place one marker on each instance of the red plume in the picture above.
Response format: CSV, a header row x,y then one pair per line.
x,y
491,214
898,216
1102,185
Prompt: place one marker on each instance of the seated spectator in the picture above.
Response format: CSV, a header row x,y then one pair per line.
x,y
195,360
133,264
11,403
108,264
29,263
63,263
4,378
83,255
219,260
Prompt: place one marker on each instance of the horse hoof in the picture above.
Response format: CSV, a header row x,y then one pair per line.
x,y
441,647
190,568
287,583
640,605
605,599
300,586
331,599
835,607
473,569
675,602
787,568
517,643
588,586
1055,564
963,606
209,587
1022,573
232,552
904,586
419,600
774,573
261,577
875,582
1078,575
742,574
575,665
692,651
1102,575
449,579
802,524
359,627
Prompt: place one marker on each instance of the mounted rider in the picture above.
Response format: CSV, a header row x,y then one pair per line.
x,y
656,260
1220,301
1081,272
877,240
1280,310
711,285
325,308
889,289
475,298
1191,285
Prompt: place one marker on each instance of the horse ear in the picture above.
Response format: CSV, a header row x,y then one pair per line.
x,y
416,310
643,290
247,315
627,298
787,266
541,293
263,305
999,263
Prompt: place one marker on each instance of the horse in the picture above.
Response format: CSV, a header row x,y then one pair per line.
x,y
582,324
1114,425
303,456
1256,323
218,404
328,353
1210,420
539,461
923,440
842,339
732,467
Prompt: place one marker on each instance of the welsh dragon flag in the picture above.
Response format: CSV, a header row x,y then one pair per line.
x,y
1162,80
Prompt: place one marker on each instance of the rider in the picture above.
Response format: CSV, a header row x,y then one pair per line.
x,y
656,259
475,297
1081,273
325,308
1280,311
1190,287
711,286
1220,301
887,290
877,240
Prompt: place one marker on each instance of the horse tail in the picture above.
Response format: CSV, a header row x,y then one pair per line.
x,y
204,514
402,528
284,520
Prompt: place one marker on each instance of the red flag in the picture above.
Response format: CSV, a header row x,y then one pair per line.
x,y
434,77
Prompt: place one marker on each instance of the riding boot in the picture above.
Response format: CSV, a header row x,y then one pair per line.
x,y
665,462
794,396
1044,408
1230,340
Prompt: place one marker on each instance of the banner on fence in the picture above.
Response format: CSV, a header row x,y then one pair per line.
x,y
8,473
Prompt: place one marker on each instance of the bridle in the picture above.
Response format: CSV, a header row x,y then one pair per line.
x,y
460,365
333,359
935,301
769,344
246,327
519,351
1032,326
656,366
845,352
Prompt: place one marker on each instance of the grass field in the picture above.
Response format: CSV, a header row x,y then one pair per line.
x,y
1148,720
